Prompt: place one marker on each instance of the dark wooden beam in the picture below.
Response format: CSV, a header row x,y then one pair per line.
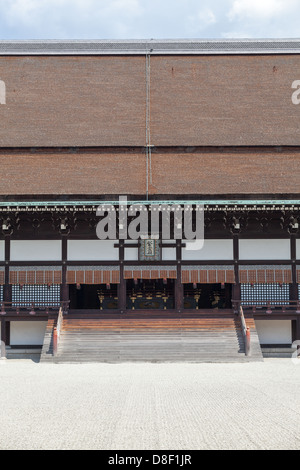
x,y
133,245
179,289
236,288
294,285
122,285
7,333
297,333
3,338
7,288
64,288
162,245
294,330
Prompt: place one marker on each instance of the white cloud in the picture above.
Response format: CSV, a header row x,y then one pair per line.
x,y
237,35
20,11
201,20
263,9
129,19
35,12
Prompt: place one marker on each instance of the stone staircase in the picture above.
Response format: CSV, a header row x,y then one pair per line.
x,y
278,352
195,338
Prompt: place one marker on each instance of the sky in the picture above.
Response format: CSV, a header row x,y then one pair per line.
x,y
146,19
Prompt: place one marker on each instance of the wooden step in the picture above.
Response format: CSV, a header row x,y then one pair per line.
x,y
152,338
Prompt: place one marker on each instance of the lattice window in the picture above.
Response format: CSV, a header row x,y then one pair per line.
x,y
1,293
40,295
261,294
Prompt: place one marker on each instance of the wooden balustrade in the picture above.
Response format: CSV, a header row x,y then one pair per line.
x,y
57,330
269,307
12,308
245,331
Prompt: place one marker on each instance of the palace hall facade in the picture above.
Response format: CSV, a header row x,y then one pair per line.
x,y
164,127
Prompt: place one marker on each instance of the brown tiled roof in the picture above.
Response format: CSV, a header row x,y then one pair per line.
x,y
193,101
173,173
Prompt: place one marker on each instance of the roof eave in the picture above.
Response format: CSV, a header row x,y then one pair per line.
x,y
151,46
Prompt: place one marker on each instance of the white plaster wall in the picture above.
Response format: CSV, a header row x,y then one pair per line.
x,y
298,248
264,249
27,333
2,255
212,250
92,250
35,250
168,254
131,254
274,331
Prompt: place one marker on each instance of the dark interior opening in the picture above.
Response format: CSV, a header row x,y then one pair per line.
x,y
146,294
207,296
93,297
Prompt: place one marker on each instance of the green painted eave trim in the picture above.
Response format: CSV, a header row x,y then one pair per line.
x,y
221,202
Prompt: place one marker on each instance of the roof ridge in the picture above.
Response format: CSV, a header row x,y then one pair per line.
x,y
153,46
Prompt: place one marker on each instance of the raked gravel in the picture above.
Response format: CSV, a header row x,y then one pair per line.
x,y
150,406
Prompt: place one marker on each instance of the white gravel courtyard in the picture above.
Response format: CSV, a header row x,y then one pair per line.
x,y
150,406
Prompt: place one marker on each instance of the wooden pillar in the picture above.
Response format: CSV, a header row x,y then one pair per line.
x,y
296,332
236,288
3,339
298,329
64,288
7,288
294,285
294,290
179,291
122,285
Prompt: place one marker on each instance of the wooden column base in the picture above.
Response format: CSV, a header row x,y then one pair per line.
x,y
3,339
